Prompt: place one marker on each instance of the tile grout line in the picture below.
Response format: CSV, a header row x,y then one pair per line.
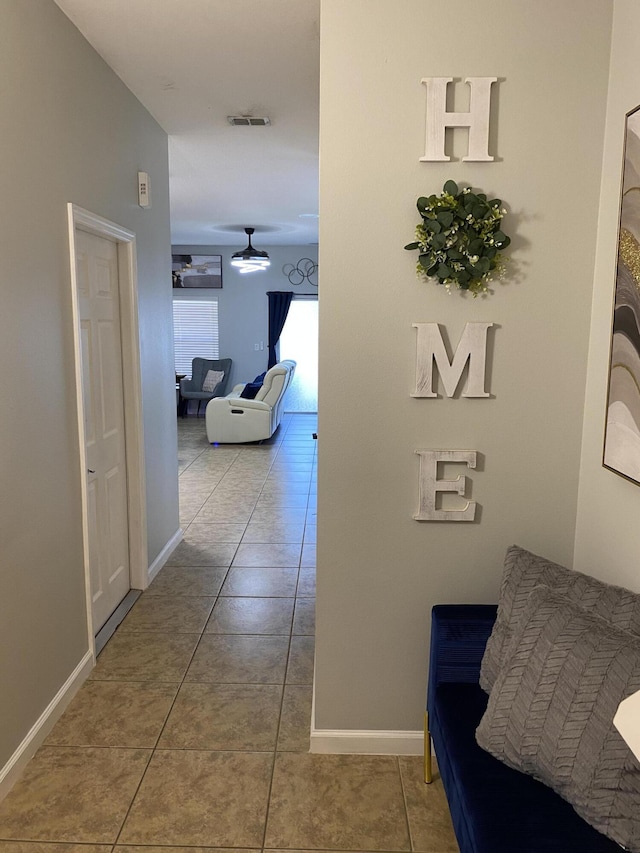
x,y
295,600
284,688
160,733
404,803
181,683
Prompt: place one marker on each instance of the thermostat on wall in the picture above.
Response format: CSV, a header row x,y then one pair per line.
x,y
144,197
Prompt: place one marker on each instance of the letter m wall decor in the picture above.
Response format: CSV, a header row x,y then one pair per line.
x,y
431,351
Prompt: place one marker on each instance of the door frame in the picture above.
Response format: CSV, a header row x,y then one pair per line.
x,y
83,220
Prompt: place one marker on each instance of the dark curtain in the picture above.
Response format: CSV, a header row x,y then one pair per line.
x,y
279,302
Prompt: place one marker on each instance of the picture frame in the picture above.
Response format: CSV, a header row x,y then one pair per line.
x,y
196,271
621,453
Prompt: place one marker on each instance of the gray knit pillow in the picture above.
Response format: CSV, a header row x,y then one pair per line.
x,y
522,572
550,713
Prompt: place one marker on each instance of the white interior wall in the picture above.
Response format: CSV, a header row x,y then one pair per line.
x,y
607,531
379,571
71,132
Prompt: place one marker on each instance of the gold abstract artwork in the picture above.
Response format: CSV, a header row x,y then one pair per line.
x,y
622,436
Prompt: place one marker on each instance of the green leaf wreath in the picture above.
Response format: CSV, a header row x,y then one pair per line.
x,y
460,239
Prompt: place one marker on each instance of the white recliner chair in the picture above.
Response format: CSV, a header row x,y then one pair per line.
x,y
234,419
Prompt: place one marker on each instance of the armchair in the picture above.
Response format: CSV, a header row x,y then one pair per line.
x,y
191,389
234,419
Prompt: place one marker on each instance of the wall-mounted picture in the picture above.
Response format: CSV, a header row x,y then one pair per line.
x,y
622,436
196,271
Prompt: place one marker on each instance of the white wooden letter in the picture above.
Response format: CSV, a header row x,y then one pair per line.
x,y
430,485
477,119
472,348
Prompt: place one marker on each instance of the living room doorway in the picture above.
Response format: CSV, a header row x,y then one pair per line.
x,y
299,341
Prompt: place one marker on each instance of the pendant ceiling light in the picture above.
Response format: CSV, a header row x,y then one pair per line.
x,y
250,259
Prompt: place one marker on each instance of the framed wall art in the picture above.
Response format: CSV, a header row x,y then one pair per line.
x,y
196,271
622,434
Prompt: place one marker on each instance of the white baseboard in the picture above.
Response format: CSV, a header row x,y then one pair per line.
x,y
13,769
337,742
366,742
164,555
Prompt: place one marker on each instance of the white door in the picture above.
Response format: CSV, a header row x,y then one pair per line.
x,y
103,403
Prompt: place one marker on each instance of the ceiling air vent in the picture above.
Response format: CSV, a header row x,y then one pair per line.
x,y
249,121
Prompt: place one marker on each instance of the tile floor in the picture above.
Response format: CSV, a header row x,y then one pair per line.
x,y
193,730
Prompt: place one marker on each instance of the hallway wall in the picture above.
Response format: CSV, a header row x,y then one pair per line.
x,y
379,571
607,532
71,132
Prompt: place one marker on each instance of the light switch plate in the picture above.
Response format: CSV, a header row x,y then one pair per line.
x,y
144,194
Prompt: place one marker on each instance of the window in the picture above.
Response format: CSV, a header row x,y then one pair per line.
x,y
299,341
195,332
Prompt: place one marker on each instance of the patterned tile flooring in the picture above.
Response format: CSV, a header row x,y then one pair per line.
x,y
193,730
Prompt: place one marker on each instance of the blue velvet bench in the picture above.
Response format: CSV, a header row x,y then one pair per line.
x,y
494,809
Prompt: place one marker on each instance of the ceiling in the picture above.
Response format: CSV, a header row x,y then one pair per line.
x,y
192,63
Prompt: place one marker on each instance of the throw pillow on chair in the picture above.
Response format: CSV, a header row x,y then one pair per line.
x,y
251,388
212,380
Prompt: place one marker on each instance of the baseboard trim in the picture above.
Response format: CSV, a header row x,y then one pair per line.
x,y
15,766
338,742
348,742
117,617
164,555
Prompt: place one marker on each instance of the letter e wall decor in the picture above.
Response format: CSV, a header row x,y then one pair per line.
x,y
430,485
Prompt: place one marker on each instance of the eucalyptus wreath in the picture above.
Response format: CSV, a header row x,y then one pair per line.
x,y
460,239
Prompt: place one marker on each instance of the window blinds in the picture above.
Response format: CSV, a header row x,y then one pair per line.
x,y
195,332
